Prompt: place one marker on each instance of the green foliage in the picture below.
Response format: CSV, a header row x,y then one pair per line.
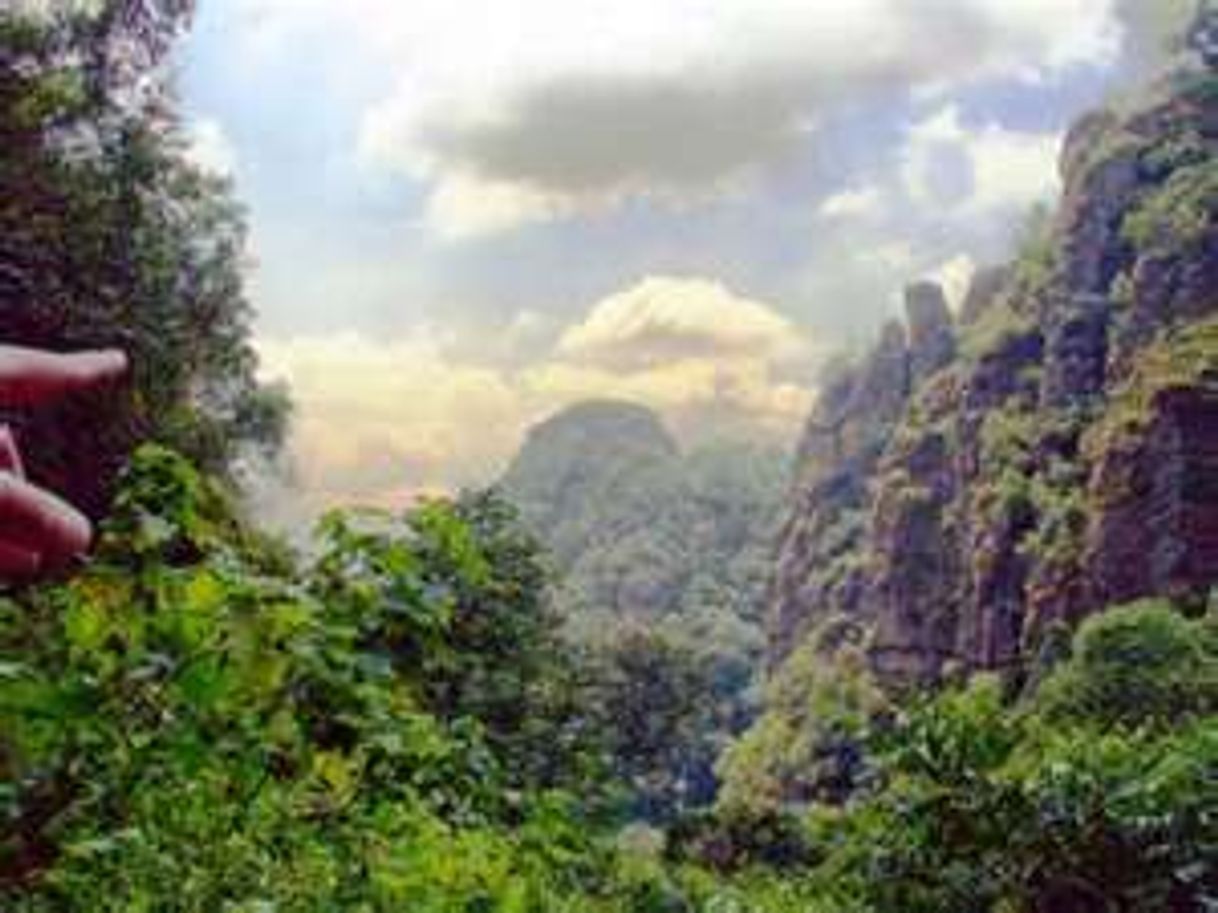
x,y
194,724
1142,664
995,326
188,726
820,708
653,696
731,840
1181,358
1027,486
983,811
1037,258
1180,214
1097,795
112,237
644,536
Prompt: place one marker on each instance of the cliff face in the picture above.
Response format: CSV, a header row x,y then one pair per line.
x,y
1050,451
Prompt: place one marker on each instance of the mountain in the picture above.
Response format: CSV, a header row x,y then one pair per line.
x,y
640,529
662,557
579,462
982,481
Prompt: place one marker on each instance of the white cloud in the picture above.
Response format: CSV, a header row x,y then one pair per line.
x,y
462,206
954,276
513,114
209,146
665,319
894,256
379,421
858,202
977,170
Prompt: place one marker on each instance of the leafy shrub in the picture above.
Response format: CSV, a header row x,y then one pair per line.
x,y
1142,664
985,809
734,839
186,726
809,742
1179,214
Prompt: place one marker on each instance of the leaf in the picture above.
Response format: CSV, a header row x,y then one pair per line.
x,y
86,625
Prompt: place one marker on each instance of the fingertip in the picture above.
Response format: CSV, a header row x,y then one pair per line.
x,y
114,362
46,523
100,365
75,532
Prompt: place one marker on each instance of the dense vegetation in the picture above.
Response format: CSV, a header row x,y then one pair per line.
x,y
661,556
642,528
111,236
196,722
406,717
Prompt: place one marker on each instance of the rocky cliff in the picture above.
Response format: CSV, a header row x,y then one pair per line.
x,y
981,478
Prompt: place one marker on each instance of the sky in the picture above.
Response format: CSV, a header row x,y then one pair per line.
x,y
466,214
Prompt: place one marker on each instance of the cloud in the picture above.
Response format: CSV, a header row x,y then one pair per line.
x,y
665,319
954,276
377,421
1151,26
209,146
380,421
462,206
859,202
514,116
972,171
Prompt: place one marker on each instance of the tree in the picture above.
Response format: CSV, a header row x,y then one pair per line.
x,y
654,698
110,236
1143,664
1202,35
808,744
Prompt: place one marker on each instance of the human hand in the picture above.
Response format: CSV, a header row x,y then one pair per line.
x,y
40,532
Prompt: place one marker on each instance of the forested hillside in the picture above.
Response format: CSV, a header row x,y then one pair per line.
x,y
640,528
661,559
992,674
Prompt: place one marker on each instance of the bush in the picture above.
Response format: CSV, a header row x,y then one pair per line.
x,y
1143,664
985,809
808,745
188,725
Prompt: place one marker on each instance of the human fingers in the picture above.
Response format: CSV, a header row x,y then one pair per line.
x,y
10,456
17,563
30,376
37,521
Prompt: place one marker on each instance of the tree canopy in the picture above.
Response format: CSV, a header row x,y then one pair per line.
x,y
111,236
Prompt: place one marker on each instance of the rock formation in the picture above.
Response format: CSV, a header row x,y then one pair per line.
x,y
969,485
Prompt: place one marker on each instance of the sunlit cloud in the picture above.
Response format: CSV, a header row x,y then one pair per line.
x,y
662,320
379,421
853,203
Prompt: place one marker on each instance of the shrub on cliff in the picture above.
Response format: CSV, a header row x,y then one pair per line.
x,y
1143,664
